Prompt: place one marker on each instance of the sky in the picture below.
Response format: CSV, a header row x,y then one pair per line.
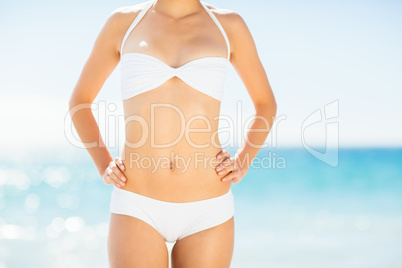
x,y
334,67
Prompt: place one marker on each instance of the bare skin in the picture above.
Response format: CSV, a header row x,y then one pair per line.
x,y
187,33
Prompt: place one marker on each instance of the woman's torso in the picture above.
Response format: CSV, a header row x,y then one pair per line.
x,y
172,129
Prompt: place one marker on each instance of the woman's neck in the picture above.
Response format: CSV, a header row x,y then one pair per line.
x,y
177,8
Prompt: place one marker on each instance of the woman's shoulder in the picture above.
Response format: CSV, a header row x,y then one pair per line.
x,y
227,17
124,12
119,18
230,19
221,12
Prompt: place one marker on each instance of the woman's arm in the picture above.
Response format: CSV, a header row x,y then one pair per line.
x,y
102,60
245,60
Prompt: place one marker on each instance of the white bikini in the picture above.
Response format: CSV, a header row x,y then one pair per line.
x,y
141,73
173,220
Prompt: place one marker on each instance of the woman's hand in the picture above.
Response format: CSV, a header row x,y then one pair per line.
x,y
113,174
228,164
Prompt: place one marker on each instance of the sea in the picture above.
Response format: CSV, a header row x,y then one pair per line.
x,y
292,210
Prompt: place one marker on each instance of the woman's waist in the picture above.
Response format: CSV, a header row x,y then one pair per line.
x,y
179,173
184,182
170,161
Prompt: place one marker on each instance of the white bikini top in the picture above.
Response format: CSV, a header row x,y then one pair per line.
x,y
142,72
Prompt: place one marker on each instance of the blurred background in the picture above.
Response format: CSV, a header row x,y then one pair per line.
x,y
327,191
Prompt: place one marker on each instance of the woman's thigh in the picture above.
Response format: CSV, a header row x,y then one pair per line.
x,y
133,243
210,248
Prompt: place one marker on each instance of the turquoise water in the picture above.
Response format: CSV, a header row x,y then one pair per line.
x,y
300,213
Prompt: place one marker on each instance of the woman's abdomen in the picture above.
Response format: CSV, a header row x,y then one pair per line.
x,y
171,157
174,175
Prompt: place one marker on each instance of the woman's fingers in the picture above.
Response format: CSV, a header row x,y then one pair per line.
x,y
223,154
118,161
228,167
117,173
113,173
234,173
223,165
116,180
231,176
107,177
224,158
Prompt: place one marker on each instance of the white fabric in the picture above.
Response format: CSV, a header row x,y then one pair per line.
x,y
173,220
141,72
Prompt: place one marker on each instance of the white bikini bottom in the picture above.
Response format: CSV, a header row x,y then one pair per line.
x,y
173,220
